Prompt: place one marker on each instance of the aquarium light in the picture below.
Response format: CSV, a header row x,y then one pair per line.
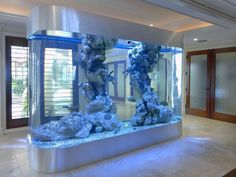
x,y
59,33
195,39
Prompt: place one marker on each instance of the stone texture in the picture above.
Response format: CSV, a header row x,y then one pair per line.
x,y
100,104
143,58
62,129
102,121
76,125
92,62
84,131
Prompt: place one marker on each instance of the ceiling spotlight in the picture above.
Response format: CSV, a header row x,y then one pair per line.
x,y
195,39
151,25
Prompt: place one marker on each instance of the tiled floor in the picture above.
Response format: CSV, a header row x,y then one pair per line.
x,y
206,149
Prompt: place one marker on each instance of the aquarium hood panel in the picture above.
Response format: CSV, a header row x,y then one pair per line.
x,y
55,18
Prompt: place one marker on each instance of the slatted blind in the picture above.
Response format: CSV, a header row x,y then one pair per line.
x,y
58,81
19,79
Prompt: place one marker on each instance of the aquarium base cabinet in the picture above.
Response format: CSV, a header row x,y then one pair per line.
x,y
57,159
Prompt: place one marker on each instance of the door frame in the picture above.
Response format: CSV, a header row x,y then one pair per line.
x,y
211,79
10,41
53,43
190,110
116,97
217,115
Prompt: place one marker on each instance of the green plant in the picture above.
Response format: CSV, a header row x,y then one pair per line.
x,y
26,106
18,86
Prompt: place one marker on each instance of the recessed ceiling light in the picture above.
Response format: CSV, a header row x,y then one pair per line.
x,y
151,25
195,39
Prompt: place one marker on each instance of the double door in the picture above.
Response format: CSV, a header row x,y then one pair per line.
x,y
211,84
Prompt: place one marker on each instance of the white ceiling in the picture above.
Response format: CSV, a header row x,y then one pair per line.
x,y
221,13
218,12
193,17
210,37
137,11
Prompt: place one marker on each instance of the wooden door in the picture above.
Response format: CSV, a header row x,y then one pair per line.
x,y
224,84
198,83
17,108
211,84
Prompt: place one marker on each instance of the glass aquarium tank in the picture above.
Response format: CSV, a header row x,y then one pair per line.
x,y
93,96
91,87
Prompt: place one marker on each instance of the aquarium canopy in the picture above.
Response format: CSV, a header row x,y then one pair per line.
x,y
70,23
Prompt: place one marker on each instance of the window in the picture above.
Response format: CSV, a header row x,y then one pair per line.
x,y
58,81
17,108
57,70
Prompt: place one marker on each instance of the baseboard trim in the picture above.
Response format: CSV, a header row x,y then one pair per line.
x,y
1,131
13,130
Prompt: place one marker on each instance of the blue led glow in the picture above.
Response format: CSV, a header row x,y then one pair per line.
x,y
55,38
79,40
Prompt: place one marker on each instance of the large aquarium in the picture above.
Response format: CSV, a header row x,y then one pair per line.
x,y
84,87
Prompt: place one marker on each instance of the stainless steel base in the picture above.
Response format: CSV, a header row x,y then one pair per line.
x,y
52,160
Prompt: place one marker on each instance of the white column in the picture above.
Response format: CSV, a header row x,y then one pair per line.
x,y
1,81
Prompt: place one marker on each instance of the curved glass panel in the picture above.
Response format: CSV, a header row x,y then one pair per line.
x,y
93,87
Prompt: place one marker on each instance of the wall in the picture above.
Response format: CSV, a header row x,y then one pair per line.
x,y
1,84
10,29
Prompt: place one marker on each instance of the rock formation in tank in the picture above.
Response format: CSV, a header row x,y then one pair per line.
x,y
100,111
143,58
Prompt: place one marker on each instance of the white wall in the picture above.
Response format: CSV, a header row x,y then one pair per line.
x,y
1,84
